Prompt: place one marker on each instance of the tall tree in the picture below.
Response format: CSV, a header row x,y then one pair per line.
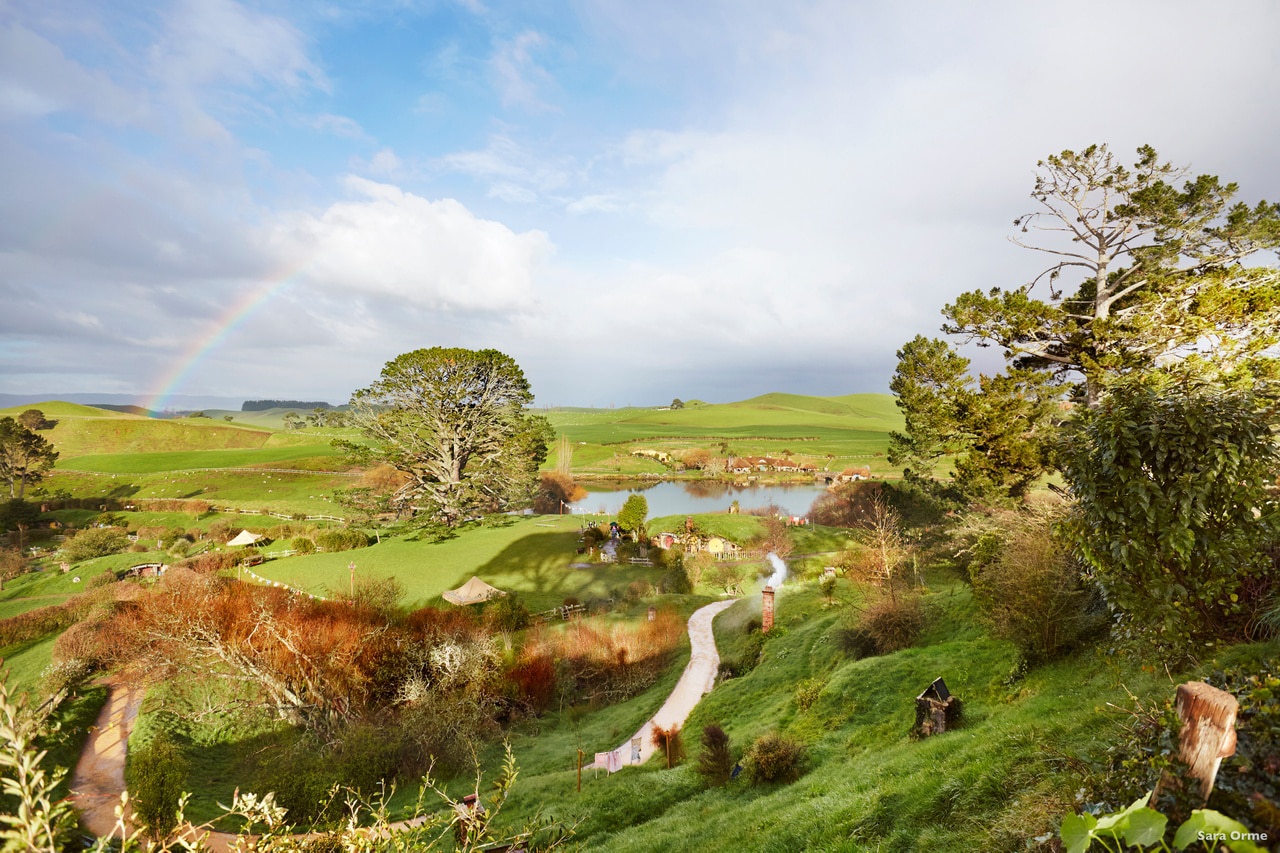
x,y
929,382
24,456
454,421
997,428
634,513
34,419
1164,272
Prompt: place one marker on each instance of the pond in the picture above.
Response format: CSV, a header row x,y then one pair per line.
x,y
687,497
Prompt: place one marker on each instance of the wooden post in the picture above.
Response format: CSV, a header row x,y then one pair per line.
x,y
579,771
1208,732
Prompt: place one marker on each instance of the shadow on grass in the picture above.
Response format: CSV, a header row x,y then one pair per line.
x,y
537,568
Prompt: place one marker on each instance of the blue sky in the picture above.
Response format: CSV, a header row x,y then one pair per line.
x,y
637,201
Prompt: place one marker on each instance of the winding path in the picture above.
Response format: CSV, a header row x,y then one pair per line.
x,y
696,681
98,779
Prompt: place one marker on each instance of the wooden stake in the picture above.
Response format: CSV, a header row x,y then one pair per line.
x,y
579,771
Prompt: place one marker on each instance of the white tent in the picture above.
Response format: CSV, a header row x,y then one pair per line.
x,y
473,591
246,538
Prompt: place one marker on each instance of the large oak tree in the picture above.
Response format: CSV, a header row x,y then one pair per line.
x,y
455,421
25,457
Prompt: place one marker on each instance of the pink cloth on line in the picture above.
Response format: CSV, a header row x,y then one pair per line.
x,y
611,761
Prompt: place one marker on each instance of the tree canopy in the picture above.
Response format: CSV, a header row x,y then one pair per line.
x,y
1165,274
454,421
25,457
998,428
634,513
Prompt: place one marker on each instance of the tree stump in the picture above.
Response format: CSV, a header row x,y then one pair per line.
x,y
1208,732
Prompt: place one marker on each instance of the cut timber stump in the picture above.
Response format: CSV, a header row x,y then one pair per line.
x,y
936,709
1208,732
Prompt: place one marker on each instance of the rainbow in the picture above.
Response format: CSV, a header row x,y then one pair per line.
x,y
237,313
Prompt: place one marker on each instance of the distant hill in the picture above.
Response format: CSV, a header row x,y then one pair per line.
x,y
189,402
129,410
263,405
55,409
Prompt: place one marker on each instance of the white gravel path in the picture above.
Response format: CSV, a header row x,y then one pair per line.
x,y
696,681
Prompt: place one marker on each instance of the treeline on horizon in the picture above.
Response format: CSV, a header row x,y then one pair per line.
x,y
263,405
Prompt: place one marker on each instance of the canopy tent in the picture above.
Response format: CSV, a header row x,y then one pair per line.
x,y
472,592
246,538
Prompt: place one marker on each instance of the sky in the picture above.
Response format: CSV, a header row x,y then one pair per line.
x,y
635,200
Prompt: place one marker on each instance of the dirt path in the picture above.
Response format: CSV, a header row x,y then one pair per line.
x,y
696,681
98,779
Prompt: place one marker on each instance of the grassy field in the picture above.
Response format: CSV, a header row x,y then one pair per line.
x,y
530,556
1001,778
274,491
851,430
199,460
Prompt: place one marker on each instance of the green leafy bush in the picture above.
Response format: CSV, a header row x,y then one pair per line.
x,y
341,540
95,542
774,757
1175,512
302,545
157,775
507,613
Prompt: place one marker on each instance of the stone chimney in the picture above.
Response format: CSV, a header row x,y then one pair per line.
x,y
766,610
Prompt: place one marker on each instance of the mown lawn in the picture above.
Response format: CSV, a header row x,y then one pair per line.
x,y
530,556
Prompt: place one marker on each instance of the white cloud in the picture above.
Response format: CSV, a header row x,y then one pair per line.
x,y
384,164
393,244
510,171
339,126
596,203
517,76
210,41
37,80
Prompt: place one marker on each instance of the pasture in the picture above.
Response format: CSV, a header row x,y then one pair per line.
x,y
531,556
834,431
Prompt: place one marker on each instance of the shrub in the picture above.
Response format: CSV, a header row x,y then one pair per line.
x,y
1175,510
554,489
846,505
715,762
341,540
894,622
95,542
808,691
774,758
213,561
855,641
12,564
157,775
1031,591
669,744
302,545
507,613
675,581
